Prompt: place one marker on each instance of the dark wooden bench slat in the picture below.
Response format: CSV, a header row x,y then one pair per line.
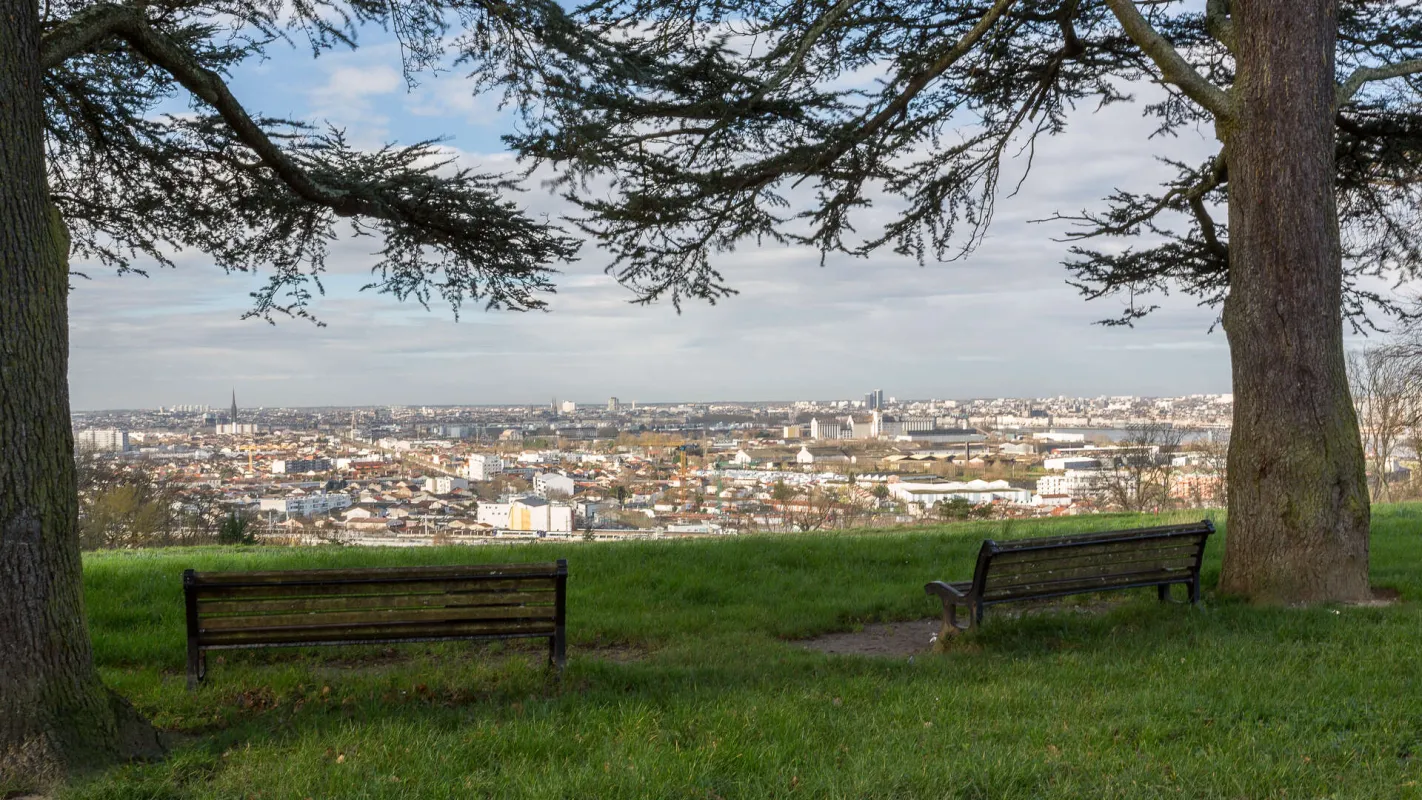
x,y
1102,559
382,574
341,603
392,632
997,580
1093,549
1048,567
307,589
277,621
1080,584
1132,534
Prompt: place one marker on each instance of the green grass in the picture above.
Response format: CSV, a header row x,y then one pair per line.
x,y
682,683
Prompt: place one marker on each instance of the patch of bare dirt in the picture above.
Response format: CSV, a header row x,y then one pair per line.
x,y
1382,597
904,639
880,639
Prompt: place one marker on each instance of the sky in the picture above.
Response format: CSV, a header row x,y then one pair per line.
x,y
1003,322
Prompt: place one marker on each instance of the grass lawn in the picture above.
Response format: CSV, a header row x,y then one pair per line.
x,y
682,682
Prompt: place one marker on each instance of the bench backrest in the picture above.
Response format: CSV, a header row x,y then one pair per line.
x,y
1060,565
348,606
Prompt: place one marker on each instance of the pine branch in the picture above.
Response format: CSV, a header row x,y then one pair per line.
x,y
1173,67
1365,75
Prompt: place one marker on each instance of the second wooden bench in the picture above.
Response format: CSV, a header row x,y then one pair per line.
x,y
1047,567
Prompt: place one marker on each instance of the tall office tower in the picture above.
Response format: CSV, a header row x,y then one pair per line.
x,y
613,404
878,398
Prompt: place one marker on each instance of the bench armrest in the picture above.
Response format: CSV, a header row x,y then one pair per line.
x,y
945,591
952,597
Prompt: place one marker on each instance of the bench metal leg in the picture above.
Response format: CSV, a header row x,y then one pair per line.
x,y
557,650
197,666
1163,592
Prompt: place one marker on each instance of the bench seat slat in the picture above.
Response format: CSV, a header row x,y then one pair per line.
x,y
1087,569
378,573
1098,552
1087,584
344,603
354,633
377,616
275,591
1073,539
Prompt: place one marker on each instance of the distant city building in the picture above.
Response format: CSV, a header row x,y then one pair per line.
x,y
482,467
528,514
613,405
298,466
443,484
1078,484
233,427
305,505
103,440
568,407
976,492
546,483
826,429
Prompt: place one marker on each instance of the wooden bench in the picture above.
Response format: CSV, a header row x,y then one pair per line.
x,y
1056,566
234,610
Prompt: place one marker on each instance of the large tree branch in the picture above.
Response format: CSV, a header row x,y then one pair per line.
x,y
128,23
1364,75
82,31
1173,67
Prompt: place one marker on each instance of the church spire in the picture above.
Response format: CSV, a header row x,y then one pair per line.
x,y
234,408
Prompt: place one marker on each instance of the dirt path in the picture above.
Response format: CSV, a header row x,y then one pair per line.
x,y
880,639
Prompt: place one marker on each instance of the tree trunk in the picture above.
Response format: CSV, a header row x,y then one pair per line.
x,y
1298,497
55,714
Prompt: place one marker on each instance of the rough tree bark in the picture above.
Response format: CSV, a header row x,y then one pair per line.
x,y
55,714
1298,500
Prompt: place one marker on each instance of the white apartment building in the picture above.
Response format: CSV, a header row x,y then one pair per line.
x,y
305,505
482,467
443,484
975,492
829,429
1078,484
241,429
528,514
102,440
552,482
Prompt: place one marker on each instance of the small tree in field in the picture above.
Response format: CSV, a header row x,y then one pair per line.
x,y
89,168
700,127
236,529
1387,388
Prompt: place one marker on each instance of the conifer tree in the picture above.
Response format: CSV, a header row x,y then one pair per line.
x,y
90,169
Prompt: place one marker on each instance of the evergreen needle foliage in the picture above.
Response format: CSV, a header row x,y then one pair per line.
x,y
718,124
264,194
